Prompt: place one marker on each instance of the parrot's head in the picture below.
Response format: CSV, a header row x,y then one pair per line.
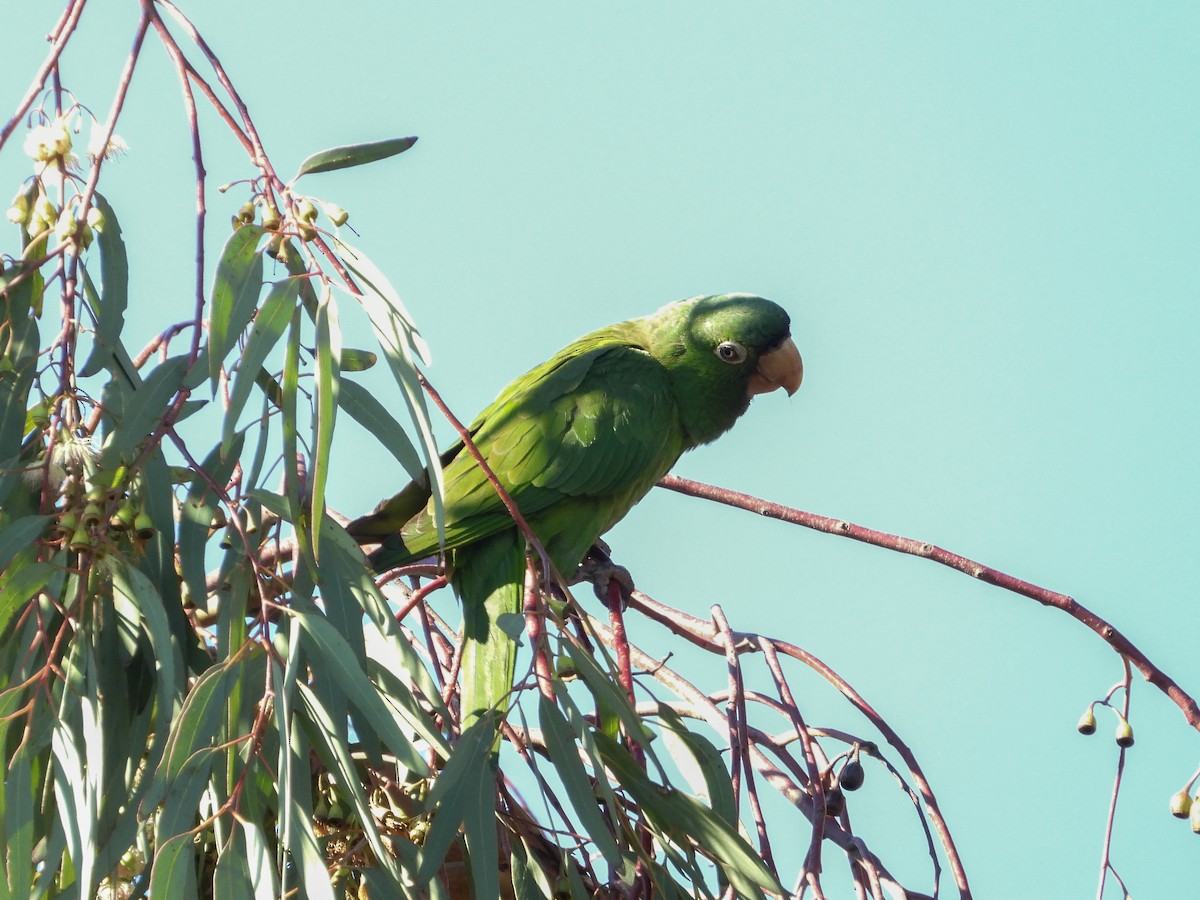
x,y
721,350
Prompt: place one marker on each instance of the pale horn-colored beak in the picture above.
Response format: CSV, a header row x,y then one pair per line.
x,y
781,368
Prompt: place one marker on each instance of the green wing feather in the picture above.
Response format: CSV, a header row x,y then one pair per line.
x,y
575,442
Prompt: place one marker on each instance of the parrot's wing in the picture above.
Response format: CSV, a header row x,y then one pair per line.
x,y
594,423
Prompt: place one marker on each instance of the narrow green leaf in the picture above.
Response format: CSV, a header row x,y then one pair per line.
x,y
231,877
114,290
295,789
19,588
678,814
174,871
140,411
340,663
322,729
357,360
328,377
525,882
399,339
365,408
268,326
235,293
196,515
466,782
564,753
353,155
19,790
608,695
19,535
297,506
696,756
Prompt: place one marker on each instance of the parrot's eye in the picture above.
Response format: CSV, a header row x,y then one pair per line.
x,y
731,352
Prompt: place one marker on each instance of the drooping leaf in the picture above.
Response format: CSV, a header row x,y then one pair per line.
x,y
328,379
338,660
268,326
462,788
114,290
680,816
564,753
353,155
140,411
365,408
236,287
694,755
357,360
19,535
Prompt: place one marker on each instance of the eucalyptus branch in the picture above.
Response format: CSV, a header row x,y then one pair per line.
x,y
1109,633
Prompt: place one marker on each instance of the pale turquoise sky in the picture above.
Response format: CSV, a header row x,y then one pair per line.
x,y
985,221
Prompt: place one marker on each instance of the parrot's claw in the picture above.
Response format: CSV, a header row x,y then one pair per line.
x,y
598,568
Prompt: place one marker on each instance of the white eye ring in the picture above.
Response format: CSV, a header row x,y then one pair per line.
x,y
731,352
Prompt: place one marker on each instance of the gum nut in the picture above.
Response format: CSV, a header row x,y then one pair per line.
x,y
68,522
306,211
336,214
95,218
1124,734
80,540
21,202
144,526
1087,722
92,514
271,217
1181,804
835,802
852,776
1194,818
246,212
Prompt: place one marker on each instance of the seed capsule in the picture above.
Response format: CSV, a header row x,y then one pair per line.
x,y
144,526
1194,819
1181,804
336,214
1087,722
835,802
92,514
81,541
852,775
1124,733
123,518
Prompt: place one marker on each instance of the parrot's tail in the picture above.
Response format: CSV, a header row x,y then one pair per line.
x,y
489,577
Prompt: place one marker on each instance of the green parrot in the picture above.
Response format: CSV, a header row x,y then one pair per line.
x,y
576,442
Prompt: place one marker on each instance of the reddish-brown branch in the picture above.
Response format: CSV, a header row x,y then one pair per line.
x,y
59,36
703,634
1113,637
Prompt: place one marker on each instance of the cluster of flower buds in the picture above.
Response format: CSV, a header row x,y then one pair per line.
x,y
301,219
33,210
88,510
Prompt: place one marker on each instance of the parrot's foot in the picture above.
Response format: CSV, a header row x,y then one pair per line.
x,y
612,583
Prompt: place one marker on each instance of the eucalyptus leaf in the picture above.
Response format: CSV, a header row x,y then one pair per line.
x,y
353,155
